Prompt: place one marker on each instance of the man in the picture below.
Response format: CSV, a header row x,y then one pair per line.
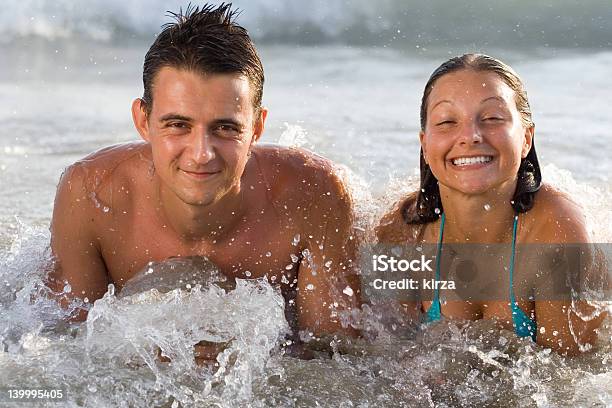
x,y
199,185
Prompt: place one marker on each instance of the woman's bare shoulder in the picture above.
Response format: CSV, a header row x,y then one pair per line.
x,y
556,218
393,228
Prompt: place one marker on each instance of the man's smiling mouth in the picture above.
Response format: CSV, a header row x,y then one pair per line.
x,y
200,174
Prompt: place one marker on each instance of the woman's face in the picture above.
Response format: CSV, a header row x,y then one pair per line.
x,y
474,138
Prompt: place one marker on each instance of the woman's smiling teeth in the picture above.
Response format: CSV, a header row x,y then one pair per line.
x,y
466,161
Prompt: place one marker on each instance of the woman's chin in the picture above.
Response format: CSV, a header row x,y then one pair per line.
x,y
475,188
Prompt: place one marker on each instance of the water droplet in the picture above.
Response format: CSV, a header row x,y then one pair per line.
x,y
437,210
289,266
294,258
86,300
247,273
67,288
348,291
310,286
328,264
487,207
268,254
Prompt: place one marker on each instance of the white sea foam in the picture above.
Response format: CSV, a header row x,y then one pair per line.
x,y
361,21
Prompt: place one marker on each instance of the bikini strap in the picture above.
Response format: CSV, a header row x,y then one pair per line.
x,y
514,229
435,310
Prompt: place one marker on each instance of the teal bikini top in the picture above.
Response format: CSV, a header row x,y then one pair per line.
x,y
523,325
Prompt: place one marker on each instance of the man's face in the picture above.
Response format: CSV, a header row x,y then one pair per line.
x,y
201,129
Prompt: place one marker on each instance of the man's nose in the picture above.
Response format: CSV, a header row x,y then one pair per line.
x,y
202,148
470,133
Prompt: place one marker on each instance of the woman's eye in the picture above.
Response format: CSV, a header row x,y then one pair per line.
x,y
493,119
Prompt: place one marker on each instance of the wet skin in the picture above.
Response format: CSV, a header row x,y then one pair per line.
x,y
200,185
473,114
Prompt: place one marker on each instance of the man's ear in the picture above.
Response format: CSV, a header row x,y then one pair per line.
x,y
139,116
528,142
423,144
259,123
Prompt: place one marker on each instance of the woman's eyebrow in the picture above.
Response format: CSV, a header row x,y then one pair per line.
x,y
497,98
439,102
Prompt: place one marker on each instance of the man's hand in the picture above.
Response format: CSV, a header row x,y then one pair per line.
x,y
204,352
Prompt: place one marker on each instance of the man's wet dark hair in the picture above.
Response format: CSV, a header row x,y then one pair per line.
x,y
205,40
425,205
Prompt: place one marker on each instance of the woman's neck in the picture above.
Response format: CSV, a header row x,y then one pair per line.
x,y
482,218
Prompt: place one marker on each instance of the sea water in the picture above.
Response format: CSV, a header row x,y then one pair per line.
x,y
345,81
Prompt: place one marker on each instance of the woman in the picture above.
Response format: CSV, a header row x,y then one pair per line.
x,y
481,183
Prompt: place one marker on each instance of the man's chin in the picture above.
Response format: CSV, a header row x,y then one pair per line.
x,y
200,201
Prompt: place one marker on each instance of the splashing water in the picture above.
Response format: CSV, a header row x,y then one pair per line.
x,y
112,358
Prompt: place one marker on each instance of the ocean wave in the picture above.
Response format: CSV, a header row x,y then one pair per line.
x,y
518,23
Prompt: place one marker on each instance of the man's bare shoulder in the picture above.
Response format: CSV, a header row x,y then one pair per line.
x,y
107,159
298,171
96,176
556,218
293,161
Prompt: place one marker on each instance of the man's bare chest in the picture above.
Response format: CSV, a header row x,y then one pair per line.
x,y
256,247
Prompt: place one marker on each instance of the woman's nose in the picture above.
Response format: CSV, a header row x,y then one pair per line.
x,y
470,133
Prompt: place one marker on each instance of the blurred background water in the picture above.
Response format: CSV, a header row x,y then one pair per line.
x,y
343,78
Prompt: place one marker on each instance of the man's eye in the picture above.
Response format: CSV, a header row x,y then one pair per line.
x,y
445,122
177,125
227,130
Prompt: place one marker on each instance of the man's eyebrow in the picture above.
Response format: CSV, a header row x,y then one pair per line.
x,y
175,116
227,121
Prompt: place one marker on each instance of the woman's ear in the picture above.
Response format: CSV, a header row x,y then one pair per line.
x,y
528,141
140,118
423,145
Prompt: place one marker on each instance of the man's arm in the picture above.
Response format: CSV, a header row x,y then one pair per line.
x,y
328,284
78,261
393,230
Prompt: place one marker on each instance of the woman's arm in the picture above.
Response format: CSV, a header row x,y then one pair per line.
x,y
568,323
